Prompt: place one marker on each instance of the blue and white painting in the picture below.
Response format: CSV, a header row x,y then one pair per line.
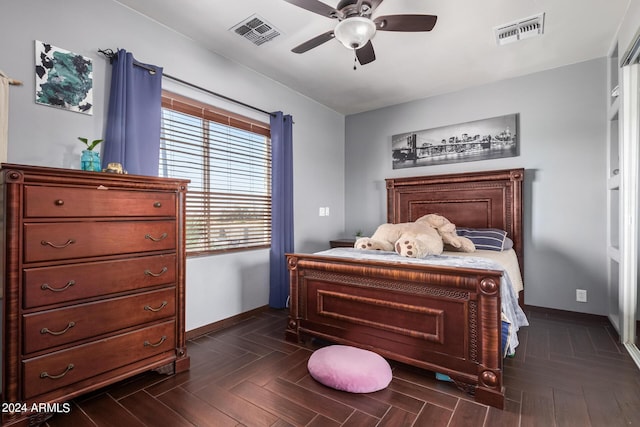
x,y
63,79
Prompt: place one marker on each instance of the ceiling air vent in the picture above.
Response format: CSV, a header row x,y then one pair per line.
x,y
256,30
519,30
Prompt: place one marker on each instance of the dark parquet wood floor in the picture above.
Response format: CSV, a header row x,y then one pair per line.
x,y
568,371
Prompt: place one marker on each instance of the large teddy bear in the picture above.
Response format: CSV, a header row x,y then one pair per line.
x,y
426,236
447,230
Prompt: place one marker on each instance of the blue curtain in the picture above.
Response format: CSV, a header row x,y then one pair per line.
x,y
281,207
132,137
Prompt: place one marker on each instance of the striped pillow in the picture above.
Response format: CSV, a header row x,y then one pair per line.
x,y
491,239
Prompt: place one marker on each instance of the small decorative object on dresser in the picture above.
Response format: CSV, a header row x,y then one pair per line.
x,y
114,167
93,282
90,160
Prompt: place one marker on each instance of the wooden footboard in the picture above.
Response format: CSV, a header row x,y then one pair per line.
x,y
441,319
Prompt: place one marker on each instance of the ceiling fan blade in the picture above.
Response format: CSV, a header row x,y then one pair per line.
x,y
406,22
366,54
314,42
318,7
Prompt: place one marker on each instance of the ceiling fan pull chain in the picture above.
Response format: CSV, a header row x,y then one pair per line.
x,y
355,59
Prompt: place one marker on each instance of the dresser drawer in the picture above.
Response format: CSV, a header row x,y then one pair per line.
x,y
51,241
69,202
61,368
52,328
52,285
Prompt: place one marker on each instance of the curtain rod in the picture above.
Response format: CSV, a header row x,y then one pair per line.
x,y
111,54
12,82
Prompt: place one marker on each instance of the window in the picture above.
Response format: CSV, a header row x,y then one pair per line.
x,y
228,160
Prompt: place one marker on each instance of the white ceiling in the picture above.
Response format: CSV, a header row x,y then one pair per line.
x,y
460,51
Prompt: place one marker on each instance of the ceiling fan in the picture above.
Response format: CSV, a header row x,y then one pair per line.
x,y
356,27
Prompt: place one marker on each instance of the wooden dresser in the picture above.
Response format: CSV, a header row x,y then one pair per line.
x,y
93,283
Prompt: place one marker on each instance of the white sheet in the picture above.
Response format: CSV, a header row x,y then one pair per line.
x,y
507,259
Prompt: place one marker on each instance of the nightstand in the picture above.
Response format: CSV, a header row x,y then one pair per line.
x,y
342,243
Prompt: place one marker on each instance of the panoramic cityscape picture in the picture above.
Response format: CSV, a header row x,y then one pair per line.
x,y
484,139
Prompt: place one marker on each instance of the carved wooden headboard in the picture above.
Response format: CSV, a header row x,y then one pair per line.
x,y
490,199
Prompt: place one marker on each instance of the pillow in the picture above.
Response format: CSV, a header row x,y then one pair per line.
x,y
492,239
349,369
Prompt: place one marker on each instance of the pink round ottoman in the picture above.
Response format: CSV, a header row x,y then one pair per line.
x,y
349,369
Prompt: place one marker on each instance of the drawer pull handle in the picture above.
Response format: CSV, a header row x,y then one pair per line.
x,y
48,331
59,202
56,377
150,273
157,205
148,344
155,310
158,239
46,287
53,245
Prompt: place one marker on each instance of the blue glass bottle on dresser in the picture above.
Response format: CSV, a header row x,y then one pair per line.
x,y
90,160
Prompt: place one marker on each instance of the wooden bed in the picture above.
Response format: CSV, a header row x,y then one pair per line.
x,y
441,319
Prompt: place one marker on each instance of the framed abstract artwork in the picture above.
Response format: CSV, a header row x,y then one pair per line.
x,y
63,79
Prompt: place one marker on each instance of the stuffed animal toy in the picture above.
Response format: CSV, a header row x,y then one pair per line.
x,y
410,239
447,231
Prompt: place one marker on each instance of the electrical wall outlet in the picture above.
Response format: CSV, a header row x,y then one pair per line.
x,y
581,295
322,212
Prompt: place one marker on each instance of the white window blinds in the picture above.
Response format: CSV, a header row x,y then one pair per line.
x,y
228,160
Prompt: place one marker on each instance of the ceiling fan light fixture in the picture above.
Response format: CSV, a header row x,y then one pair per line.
x,y
355,32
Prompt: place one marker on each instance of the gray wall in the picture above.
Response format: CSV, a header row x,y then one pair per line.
x,y
217,286
562,128
562,119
